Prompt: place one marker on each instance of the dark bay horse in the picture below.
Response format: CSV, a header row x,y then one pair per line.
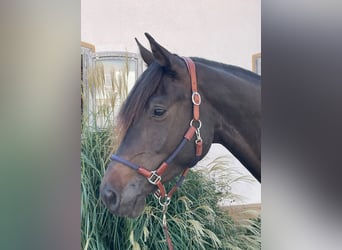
x,y
157,113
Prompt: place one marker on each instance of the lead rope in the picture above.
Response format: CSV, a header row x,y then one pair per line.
x,y
165,204
165,228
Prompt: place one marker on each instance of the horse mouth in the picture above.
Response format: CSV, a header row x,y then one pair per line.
x,y
128,201
131,209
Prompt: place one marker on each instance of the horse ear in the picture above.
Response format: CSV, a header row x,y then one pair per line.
x,y
163,56
145,53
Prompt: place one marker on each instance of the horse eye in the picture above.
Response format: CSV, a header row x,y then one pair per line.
x,y
158,112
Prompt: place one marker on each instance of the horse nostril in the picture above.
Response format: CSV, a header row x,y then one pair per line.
x,y
110,198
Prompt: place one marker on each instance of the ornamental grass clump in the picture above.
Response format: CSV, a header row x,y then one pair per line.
x,y
194,217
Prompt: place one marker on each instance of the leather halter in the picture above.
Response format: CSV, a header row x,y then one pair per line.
x,y
155,176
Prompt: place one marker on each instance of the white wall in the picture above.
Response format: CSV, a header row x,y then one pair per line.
x,y
223,30
228,31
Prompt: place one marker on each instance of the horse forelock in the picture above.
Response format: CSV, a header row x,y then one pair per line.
x,y
135,103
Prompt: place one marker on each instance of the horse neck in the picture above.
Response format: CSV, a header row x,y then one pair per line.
x,y
234,104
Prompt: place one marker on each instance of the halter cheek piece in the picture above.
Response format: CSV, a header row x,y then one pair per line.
x,y
155,176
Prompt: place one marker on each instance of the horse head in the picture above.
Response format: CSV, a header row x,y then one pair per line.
x,y
153,121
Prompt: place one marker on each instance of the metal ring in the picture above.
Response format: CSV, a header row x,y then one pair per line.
x,y
193,98
199,124
166,202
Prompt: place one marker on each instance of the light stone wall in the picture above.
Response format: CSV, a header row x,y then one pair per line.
x,y
228,31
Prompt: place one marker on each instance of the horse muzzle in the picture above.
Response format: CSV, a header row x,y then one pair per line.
x,y
123,191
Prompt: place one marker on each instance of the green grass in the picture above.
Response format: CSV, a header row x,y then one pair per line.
x,y
195,220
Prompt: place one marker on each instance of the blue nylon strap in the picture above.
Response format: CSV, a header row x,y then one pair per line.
x,y
180,181
123,161
168,160
177,150
136,167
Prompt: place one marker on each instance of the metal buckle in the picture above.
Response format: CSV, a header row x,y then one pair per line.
x,y
154,178
193,98
198,136
157,194
164,202
199,124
